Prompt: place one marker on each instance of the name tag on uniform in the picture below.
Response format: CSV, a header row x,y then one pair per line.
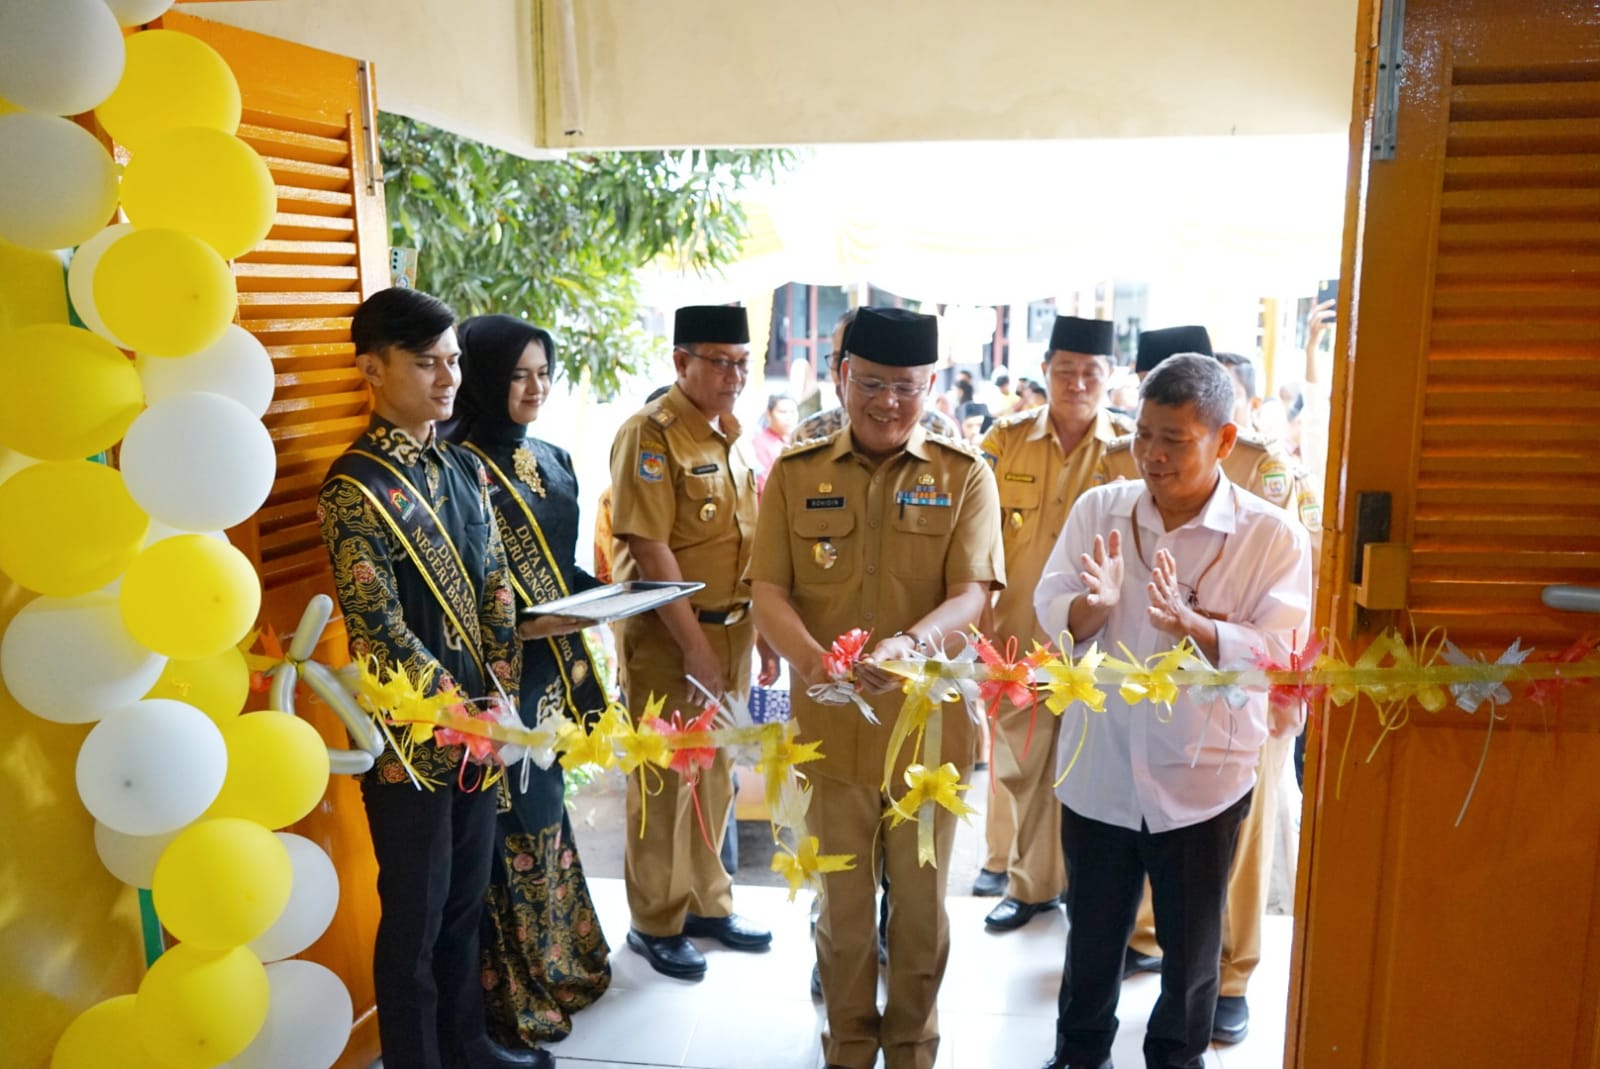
x,y
824,502
926,497
1018,477
704,469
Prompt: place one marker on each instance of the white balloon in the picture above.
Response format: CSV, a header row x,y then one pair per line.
x,y
59,56
58,186
313,898
130,858
137,12
151,767
72,660
198,462
308,1020
80,279
237,366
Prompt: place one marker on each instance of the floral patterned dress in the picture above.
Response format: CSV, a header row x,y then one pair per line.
x,y
544,954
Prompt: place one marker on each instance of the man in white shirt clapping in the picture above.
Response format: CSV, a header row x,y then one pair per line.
x,y
1143,565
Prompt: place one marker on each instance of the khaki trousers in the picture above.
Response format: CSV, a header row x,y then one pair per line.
x,y
1024,772
673,869
852,819
1248,880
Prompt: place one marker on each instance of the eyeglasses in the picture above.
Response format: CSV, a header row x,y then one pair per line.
x,y
903,391
740,368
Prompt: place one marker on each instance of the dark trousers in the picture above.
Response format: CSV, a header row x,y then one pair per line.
x,y
434,851
1106,869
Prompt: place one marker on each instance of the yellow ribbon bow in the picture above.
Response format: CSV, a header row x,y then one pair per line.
x,y
929,787
803,866
1065,681
780,753
1152,681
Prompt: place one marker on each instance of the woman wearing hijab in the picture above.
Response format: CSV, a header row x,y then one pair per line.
x,y
544,955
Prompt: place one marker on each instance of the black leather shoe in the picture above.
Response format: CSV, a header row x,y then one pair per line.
x,y
816,982
1013,913
732,931
669,955
989,884
1231,1022
1134,963
1060,1062
487,1054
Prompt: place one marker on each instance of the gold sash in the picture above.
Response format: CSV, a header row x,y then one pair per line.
x,y
426,542
537,580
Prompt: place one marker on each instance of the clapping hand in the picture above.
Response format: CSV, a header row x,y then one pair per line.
x,y
1102,571
1168,606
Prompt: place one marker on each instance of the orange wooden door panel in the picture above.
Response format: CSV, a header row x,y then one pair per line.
x,y
1471,395
307,113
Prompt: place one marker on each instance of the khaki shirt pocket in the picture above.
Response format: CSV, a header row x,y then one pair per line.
x,y
1019,512
824,551
694,525
921,541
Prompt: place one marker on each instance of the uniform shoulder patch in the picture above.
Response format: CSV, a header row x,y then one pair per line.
x,y
662,416
1254,443
1120,445
1016,419
1123,425
805,445
955,445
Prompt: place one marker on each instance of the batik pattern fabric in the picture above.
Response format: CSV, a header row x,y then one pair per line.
x,y
390,613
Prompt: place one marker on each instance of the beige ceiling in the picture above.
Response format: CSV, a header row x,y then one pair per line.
x,y
641,73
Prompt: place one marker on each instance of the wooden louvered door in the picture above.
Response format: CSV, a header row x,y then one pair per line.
x,y
308,114
1471,394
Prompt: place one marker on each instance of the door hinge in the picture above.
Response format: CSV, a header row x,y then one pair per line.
x,y
1391,59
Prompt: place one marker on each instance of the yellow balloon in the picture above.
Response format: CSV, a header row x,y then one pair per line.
x,y
277,770
31,289
188,596
170,80
222,883
164,292
203,182
216,685
69,393
68,527
102,1035
198,1008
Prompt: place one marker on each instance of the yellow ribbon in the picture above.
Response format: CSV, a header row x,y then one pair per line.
x,y
929,787
1065,681
802,867
1153,680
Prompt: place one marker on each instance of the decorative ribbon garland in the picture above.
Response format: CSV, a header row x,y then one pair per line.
x,y
1390,672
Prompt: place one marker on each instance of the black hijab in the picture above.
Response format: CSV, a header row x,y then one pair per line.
x,y
491,345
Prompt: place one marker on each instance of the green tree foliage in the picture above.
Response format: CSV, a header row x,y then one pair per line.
x,y
559,241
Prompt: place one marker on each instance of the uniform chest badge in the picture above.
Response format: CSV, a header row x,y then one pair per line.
x,y
824,554
708,512
526,466
824,488
1016,520
924,480
923,496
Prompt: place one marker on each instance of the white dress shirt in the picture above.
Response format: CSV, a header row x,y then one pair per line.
x,y
1253,565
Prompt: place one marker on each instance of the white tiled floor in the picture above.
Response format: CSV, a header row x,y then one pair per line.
x,y
754,1011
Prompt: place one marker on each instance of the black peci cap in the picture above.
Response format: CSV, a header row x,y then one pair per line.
x,y
893,337
1094,337
714,324
1156,345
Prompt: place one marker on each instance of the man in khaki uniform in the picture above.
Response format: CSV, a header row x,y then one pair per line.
x,y
1042,460
1263,469
683,506
878,526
